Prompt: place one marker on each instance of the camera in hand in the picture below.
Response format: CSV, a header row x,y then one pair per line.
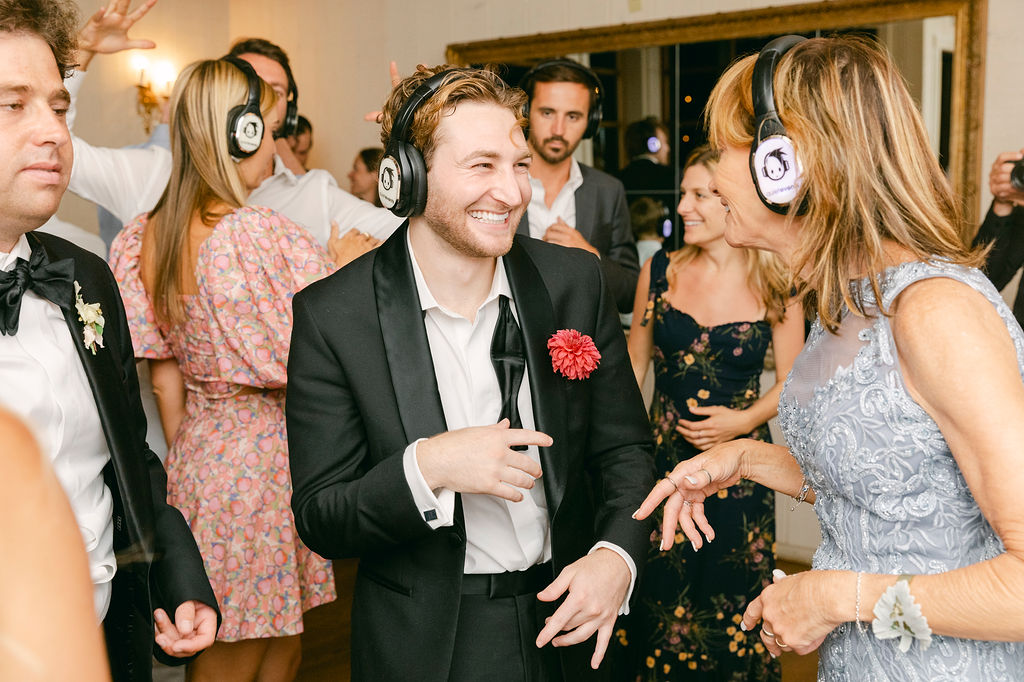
x,y
1017,175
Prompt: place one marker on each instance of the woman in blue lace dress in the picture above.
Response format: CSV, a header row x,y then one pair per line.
x,y
707,314
903,413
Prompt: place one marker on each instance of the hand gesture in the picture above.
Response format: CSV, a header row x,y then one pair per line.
x,y
376,116
722,424
999,179
597,584
193,629
106,31
563,234
797,611
480,459
351,245
686,487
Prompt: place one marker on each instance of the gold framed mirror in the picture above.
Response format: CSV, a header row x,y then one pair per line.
x,y
966,105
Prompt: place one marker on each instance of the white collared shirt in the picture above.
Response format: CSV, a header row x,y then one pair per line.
x,y
128,182
564,206
500,535
45,384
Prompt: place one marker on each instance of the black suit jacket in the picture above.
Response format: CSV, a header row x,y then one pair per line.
x,y
361,387
1006,234
158,563
602,217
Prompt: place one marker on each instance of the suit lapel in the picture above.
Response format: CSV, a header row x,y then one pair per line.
x,y
537,320
585,200
405,339
524,224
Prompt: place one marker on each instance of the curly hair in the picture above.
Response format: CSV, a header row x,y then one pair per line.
x,y
54,21
464,85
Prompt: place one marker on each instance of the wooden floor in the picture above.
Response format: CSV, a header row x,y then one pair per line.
x,y
325,644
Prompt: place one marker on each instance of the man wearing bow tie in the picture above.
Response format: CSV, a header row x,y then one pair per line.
x,y
450,424
67,368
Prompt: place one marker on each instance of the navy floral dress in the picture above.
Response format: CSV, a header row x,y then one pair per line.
x,y
685,624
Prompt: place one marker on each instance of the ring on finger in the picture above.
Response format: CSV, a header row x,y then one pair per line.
x,y
710,477
782,645
674,484
687,503
768,632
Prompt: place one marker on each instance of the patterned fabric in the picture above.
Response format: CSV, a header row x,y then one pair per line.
x,y
890,497
685,625
228,466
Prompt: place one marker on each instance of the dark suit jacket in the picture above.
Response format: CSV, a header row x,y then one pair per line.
x,y
602,217
361,387
158,563
1006,234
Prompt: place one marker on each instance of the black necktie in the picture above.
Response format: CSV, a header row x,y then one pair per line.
x,y
509,362
52,281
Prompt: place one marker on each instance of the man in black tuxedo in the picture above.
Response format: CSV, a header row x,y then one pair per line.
x,y
573,204
67,366
434,435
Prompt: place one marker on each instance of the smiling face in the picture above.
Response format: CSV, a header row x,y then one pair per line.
x,y
702,213
558,119
478,185
34,139
748,222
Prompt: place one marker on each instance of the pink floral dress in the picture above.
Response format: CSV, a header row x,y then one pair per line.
x,y
228,466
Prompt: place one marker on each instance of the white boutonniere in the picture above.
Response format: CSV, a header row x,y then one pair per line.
x,y
91,317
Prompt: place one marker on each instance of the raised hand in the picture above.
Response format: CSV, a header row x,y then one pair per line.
x,y
106,31
480,459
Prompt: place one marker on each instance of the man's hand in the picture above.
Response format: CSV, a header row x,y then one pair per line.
x,y
287,156
106,32
480,459
1005,194
377,116
597,584
349,246
563,234
194,629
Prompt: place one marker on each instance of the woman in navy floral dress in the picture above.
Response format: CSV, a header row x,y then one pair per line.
x,y
708,314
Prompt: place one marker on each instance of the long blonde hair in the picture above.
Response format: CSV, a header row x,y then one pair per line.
x,y
869,174
766,275
204,178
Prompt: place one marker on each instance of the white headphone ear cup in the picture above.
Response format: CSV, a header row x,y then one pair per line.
x,y
776,171
249,132
389,181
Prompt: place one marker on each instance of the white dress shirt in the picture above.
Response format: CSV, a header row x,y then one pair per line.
x,y
500,535
128,182
564,206
45,384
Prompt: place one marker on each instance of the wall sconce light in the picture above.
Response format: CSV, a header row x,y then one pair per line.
x,y
154,88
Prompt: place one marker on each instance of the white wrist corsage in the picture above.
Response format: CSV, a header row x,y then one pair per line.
x,y
897,615
91,317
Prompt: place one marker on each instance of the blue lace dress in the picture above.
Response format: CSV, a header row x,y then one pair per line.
x,y
890,497
685,621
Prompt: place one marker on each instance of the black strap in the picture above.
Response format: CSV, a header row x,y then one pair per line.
x,y
509,360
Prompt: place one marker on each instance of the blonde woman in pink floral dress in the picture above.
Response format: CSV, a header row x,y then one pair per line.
x,y
207,285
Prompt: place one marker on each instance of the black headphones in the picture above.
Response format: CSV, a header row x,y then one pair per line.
x,y
291,112
245,121
402,175
774,165
528,82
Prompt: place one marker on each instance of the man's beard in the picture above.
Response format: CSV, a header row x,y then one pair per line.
x,y
549,158
451,226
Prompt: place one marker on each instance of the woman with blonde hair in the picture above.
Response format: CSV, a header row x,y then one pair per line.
x,y
708,314
207,284
903,411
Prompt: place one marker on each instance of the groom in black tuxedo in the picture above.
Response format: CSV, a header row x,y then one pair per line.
x,y
485,480
67,367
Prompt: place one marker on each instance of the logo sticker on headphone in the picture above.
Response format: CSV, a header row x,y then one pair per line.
x,y
388,179
777,168
250,132
653,144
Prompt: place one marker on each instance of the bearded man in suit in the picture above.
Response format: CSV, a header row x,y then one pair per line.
x,y
450,421
68,369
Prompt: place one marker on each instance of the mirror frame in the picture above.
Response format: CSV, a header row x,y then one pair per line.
x,y
968,58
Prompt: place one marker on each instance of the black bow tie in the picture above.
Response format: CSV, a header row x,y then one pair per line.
x,y
52,281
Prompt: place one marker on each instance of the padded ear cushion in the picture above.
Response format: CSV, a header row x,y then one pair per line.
x,y
291,119
418,186
245,122
402,180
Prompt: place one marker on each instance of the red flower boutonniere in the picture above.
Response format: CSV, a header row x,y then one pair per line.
x,y
573,355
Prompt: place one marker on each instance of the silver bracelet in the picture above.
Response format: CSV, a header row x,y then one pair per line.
x,y
857,622
802,495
